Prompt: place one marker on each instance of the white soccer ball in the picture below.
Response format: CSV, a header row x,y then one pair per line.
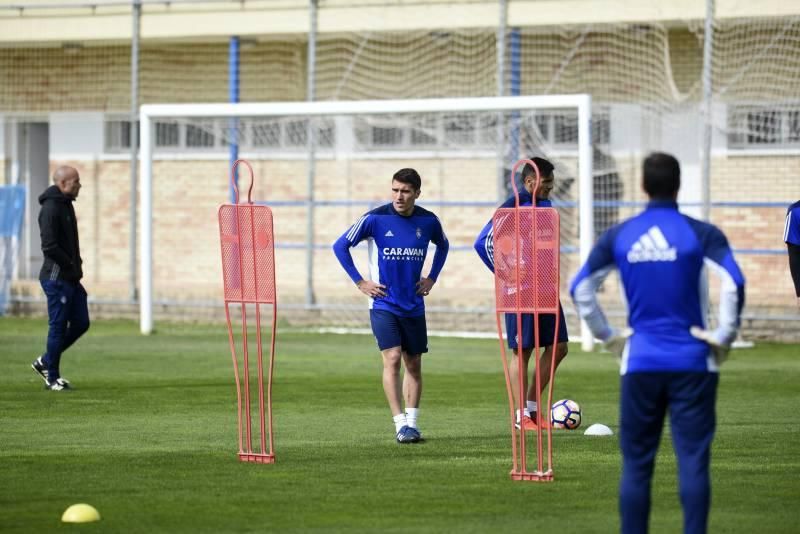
x,y
566,414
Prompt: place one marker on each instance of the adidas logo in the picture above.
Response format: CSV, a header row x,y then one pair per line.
x,y
652,246
389,234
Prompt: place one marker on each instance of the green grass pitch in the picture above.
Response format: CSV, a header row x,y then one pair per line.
x,y
148,437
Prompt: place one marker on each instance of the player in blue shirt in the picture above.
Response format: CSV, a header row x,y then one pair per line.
x,y
791,236
484,246
398,235
669,360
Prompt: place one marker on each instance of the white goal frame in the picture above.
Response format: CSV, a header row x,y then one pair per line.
x,y
149,112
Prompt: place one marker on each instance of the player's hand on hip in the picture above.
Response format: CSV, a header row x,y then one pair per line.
x,y
615,343
372,289
718,348
424,286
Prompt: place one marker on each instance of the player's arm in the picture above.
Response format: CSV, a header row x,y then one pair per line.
x,y
439,257
794,267
341,248
484,245
719,259
48,227
584,285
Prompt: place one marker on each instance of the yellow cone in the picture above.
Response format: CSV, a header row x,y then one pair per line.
x,y
80,513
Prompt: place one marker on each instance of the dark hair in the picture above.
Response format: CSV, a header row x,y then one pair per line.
x,y
544,166
661,176
408,176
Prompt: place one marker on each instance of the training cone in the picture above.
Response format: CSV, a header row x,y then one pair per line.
x,y
80,513
598,430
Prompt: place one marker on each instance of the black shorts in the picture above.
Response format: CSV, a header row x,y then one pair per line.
x,y
409,333
547,326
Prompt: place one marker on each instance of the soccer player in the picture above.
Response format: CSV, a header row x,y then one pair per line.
x,y
398,235
669,360
484,246
61,275
791,236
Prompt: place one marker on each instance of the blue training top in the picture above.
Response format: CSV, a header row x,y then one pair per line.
x,y
791,230
660,255
484,244
397,247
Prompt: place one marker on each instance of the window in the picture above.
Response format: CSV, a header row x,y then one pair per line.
x,y
380,133
601,129
475,131
118,135
266,135
200,135
559,128
295,133
565,129
218,134
760,127
389,136
167,135
285,134
454,131
424,131
460,130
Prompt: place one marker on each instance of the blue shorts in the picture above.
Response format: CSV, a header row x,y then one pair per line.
x,y
547,326
409,333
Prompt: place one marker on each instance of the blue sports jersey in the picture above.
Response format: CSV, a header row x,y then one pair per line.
x,y
791,230
397,247
484,244
660,255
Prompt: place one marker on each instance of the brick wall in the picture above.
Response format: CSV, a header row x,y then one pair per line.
x,y
187,195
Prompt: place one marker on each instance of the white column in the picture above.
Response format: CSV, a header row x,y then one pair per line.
x,y
586,196
146,203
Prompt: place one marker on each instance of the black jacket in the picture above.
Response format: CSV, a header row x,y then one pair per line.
x,y
59,231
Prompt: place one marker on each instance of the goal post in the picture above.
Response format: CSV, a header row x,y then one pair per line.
x,y
388,110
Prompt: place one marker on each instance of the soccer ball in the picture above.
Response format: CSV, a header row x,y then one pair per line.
x,y
566,413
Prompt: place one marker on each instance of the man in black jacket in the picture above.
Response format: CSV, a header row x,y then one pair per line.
x,y
61,275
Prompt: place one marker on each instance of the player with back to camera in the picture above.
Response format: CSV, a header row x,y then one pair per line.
x,y
791,236
484,246
669,359
398,235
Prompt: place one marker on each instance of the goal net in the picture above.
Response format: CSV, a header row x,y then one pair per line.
x,y
320,166
645,72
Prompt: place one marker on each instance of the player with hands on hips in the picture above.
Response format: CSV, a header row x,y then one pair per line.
x,y
398,235
669,358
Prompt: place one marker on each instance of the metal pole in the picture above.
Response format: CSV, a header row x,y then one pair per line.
x,y
233,98
501,89
311,165
515,43
708,49
146,261
585,196
136,15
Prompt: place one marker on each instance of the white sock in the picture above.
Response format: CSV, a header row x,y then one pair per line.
x,y
527,413
399,421
531,407
411,416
